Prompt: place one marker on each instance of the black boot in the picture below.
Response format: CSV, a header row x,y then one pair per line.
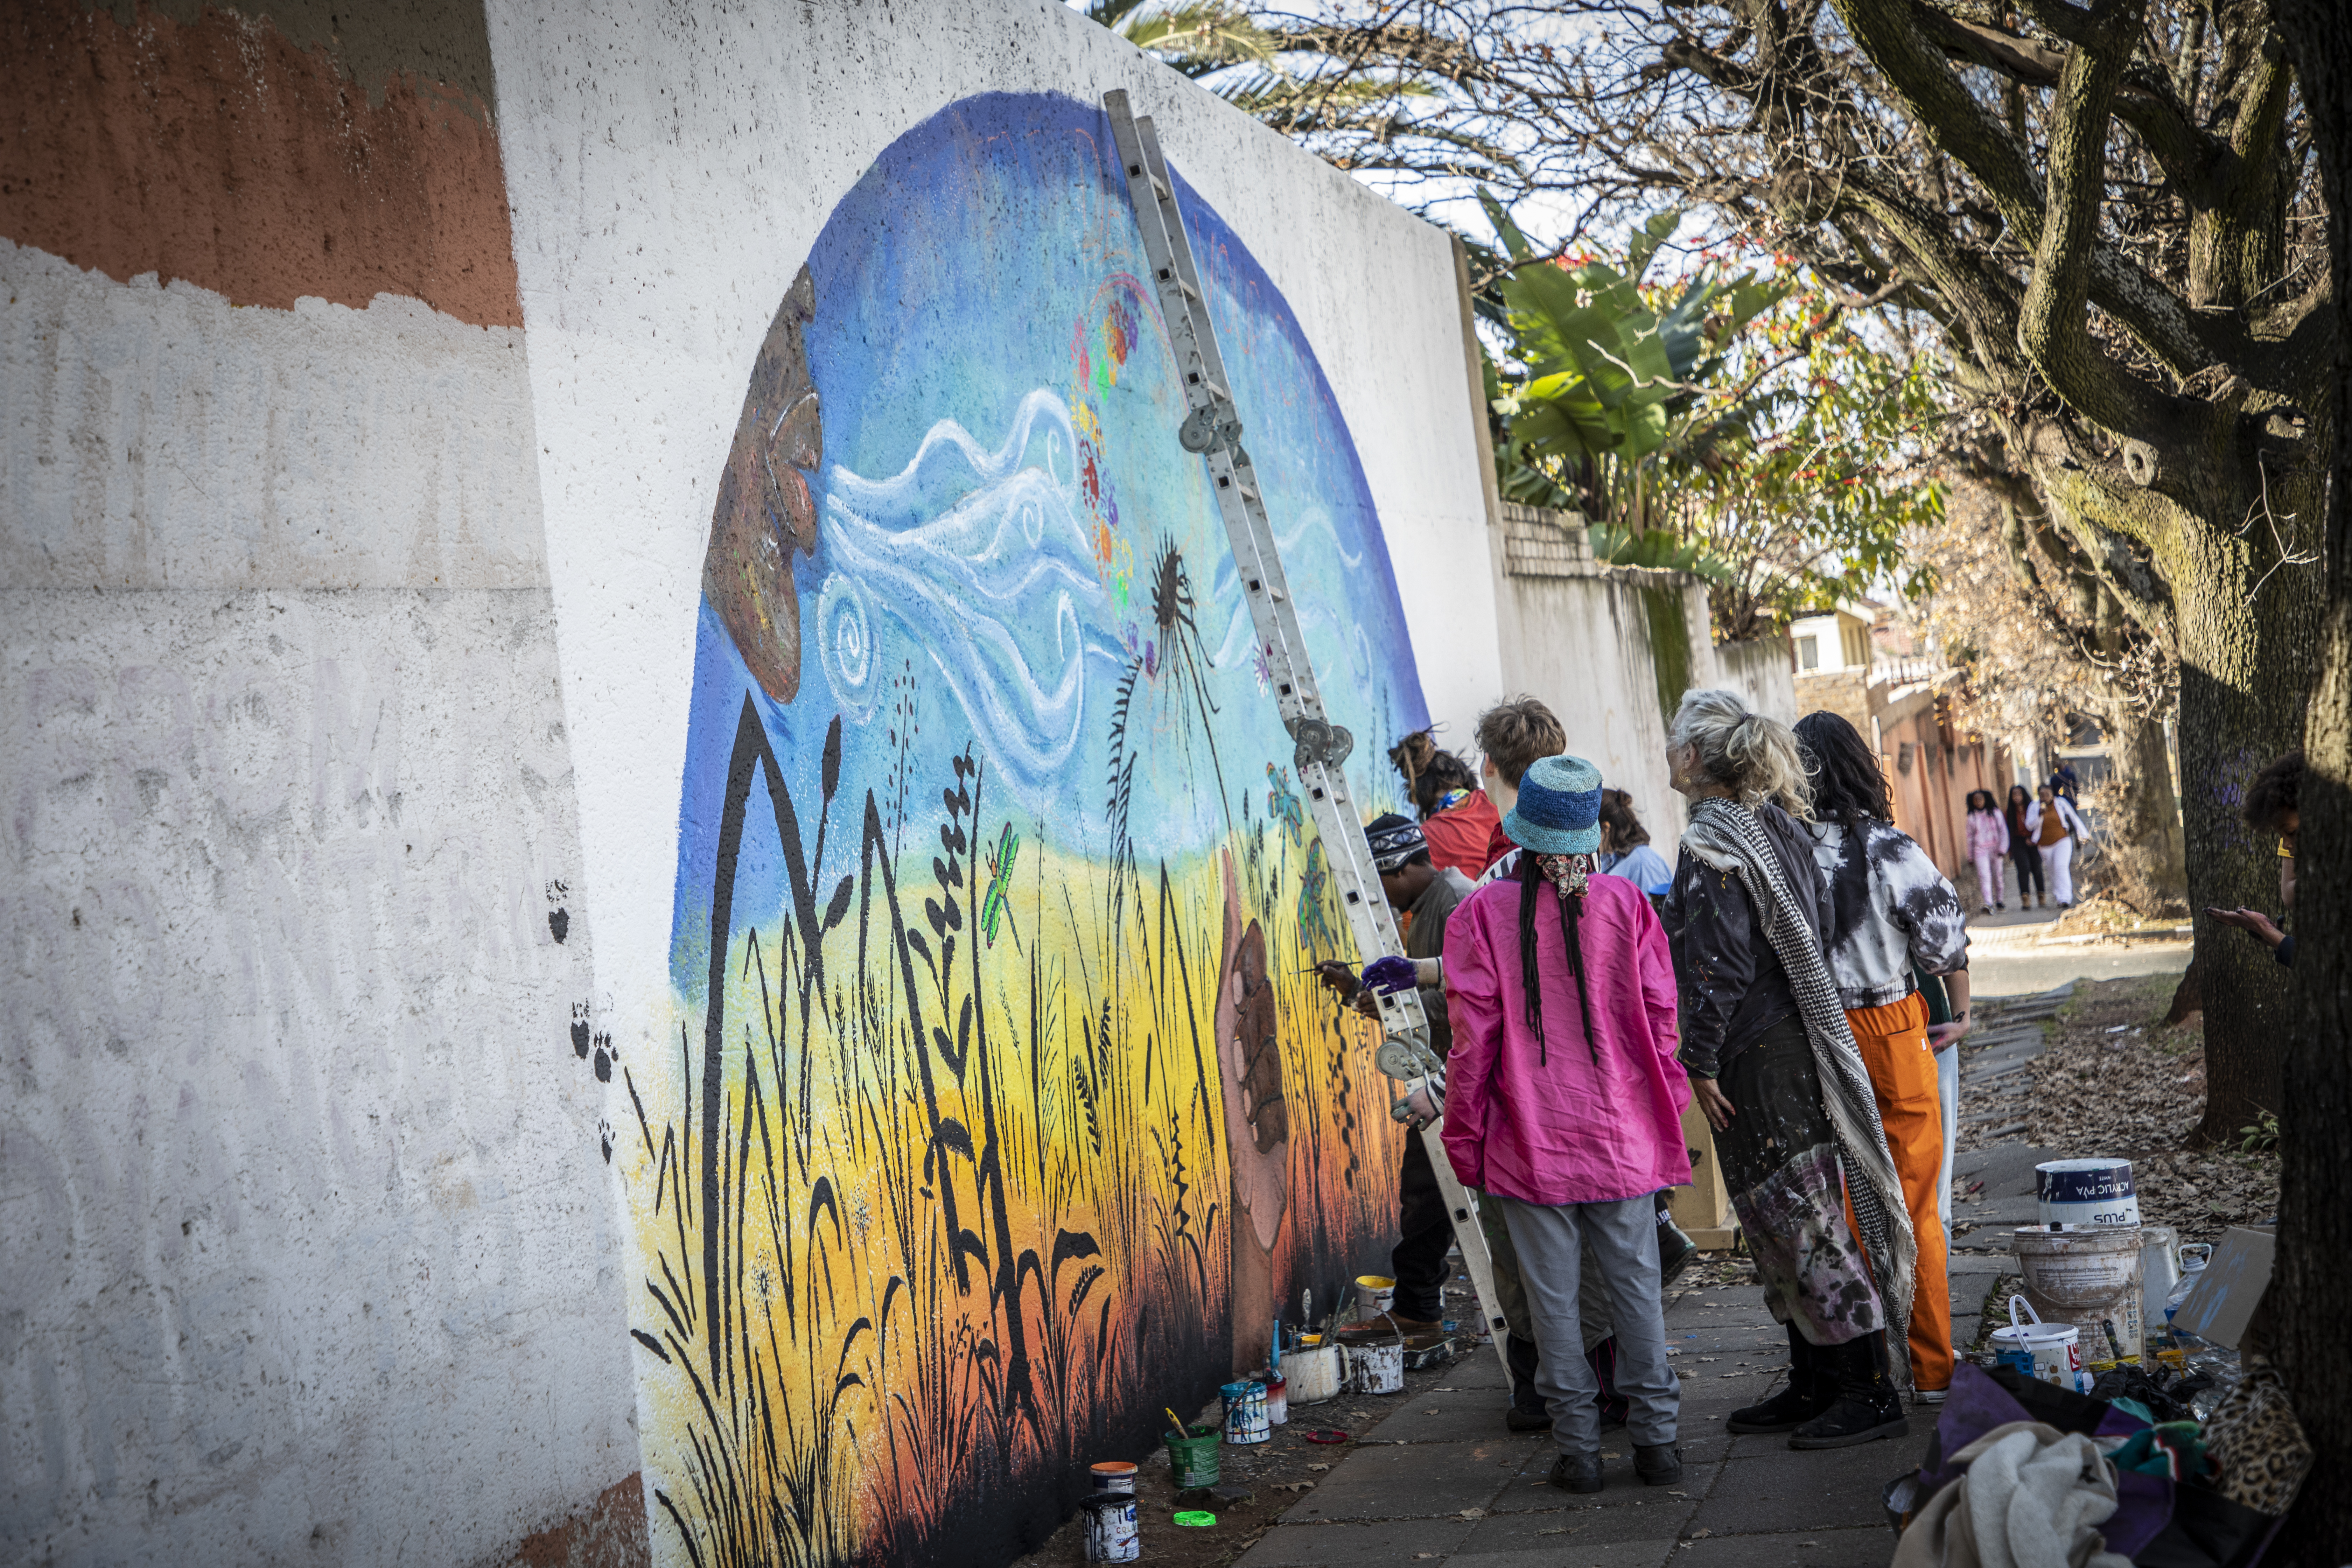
x,y
1866,1406
1807,1395
1527,1412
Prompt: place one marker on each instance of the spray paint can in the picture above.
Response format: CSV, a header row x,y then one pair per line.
x,y
1111,1533
1246,1413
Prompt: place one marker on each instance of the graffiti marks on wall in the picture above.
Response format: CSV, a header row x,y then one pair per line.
x,y
998,1107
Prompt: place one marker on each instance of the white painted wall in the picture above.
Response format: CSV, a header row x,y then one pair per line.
x,y
670,167
308,1250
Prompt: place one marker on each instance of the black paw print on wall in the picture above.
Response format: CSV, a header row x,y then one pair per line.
x,y
595,1048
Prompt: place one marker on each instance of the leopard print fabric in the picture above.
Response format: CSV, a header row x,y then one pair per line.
x,y
2257,1443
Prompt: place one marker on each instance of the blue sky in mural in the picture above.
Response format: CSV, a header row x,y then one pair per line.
x,y
1006,515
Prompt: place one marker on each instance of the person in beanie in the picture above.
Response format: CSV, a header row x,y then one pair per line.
x,y
1564,1106
1424,896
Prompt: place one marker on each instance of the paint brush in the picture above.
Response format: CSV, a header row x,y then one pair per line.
x,y
1182,1430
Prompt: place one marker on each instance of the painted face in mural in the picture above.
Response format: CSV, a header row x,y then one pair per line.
x,y
765,512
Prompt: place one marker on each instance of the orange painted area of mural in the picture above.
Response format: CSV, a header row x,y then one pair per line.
x,y
220,153
998,1239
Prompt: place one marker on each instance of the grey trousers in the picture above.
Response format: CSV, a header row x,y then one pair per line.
x,y
1623,1239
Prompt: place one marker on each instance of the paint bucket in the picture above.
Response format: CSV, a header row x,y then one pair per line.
x,y
1375,1294
1111,1534
1113,1476
2159,1269
1192,1457
2085,1277
2050,1352
1246,1413
1314,1373
1277,1400
2085,1192
1377,1369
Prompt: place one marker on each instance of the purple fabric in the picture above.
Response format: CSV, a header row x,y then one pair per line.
x,y
1550,1125
1977,1405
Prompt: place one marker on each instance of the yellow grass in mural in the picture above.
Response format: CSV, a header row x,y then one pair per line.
x,y
1006,1151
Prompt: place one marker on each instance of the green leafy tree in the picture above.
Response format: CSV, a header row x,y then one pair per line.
x,y
1736,424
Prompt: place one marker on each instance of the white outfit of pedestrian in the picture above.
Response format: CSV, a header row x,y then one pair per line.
x,y
2058,857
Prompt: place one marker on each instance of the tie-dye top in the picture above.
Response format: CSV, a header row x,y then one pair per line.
x,y
1889,909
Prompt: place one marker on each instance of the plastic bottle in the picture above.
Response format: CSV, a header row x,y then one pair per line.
x,y
2193,1259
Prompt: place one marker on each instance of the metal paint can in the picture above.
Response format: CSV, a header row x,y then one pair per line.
x,y
1315,1374
1193,1457
1375,1294
1111,1532
1246,1413
1378,1369
1277,1400
1113,1476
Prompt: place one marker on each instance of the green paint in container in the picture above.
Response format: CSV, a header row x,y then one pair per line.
x,y
1194,1457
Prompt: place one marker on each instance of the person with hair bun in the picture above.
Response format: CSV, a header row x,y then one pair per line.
x,y
1455,815
1775,1067
1572,1145
1891,912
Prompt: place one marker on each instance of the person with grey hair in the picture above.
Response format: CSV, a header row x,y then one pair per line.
x,y
1774,1066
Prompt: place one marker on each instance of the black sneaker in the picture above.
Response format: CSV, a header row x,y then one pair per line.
x,y
1658,1464
1577,1472
1519,1420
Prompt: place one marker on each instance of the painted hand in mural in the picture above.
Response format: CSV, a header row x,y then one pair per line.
x,y
766,510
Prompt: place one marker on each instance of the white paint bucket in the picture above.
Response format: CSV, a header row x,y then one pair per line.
x,y
1277,1399
1113,1476
2089,1277
2050,1352
1245,1412
1111,1532
1313,1372
2085,1192
2159,1269
1378,1369
1375,1294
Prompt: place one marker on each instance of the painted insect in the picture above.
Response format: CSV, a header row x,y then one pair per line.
x,y
995,904
1282,802
1314,925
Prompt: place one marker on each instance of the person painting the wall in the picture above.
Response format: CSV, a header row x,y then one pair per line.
x,y
1426,895
1511,736
1455,815
1988,841
2272,805
1625,846
2023,858
1564,1107
1774,1066
1890,911
2054,824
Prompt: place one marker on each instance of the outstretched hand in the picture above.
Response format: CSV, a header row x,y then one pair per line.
x,y
2253,921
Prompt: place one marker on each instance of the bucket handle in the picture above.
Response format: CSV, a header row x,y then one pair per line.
x,y
2031,1316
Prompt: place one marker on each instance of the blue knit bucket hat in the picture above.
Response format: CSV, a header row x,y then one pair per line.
x,y
1558,808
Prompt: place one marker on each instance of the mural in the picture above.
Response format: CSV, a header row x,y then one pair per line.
x,y
998,1108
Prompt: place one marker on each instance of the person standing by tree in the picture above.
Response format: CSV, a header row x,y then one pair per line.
x,y
1774,1066
1988,838
2052,823
2022,855
1572,1147
1891,910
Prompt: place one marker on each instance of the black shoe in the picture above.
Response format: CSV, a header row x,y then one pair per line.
x,y
1658,1464
1675,1249
1519,1420
1577,1472
1865,1407
1808,1395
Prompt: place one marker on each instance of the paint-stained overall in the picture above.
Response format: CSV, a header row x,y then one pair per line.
x,y
996,1110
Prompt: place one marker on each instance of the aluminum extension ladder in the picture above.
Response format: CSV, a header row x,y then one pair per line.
x,y
1212,428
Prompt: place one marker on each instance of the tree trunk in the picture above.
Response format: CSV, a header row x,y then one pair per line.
x,y
2248,653
2141,861
2313,1277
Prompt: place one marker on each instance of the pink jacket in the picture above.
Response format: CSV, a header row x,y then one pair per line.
x,y
1543,1124
1987,834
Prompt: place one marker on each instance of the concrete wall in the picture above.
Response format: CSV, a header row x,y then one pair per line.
x,y
310,1249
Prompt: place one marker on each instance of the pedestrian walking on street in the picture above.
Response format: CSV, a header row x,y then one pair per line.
x,y
1891,911
2022,855
1774,1066
2054,826
1988,842
1564,1106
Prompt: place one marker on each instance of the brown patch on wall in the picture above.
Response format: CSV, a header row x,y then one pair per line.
x,y
221,152
610,1533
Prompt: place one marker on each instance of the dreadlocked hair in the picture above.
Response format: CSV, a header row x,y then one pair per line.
x,y
1536,888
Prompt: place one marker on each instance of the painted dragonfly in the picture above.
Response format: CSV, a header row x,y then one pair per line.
x,y
996,903
1314,925
1282,802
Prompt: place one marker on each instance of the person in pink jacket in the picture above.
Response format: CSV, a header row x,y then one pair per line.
x,y
1988,842
1564,1105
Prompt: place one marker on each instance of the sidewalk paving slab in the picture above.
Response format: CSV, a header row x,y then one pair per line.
x,y
1415,1480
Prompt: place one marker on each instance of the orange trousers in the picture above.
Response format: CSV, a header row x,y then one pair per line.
x,y
1895,1047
